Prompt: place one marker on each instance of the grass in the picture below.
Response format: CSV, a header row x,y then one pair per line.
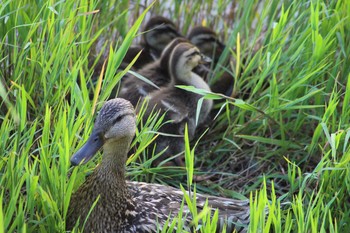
x,y
284,146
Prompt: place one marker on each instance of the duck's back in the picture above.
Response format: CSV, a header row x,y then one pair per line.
x,y
133,88
144,58
181,108
155,203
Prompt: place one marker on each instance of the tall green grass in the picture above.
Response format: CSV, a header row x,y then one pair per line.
x,y
286,146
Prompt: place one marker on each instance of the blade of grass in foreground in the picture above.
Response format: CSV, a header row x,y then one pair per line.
x,y
115,59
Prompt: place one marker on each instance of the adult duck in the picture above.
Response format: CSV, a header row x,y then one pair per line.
x,y
124,206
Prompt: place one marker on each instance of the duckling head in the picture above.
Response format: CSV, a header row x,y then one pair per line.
x,y
159,31
207,41
166,54
115,123
184,58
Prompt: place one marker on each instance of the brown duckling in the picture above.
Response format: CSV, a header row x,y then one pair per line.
x,y
207,41
124,206
178,105
157,34
143,59
157,72
209,44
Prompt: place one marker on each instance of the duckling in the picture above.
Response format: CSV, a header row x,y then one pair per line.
x,y
157,34
207,41
178,105
125,206
157,72
144,58
209,44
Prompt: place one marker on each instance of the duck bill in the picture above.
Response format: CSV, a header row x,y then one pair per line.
x,y
202,68
88,150
205,60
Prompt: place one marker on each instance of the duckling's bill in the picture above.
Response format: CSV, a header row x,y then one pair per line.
x,y
205,59
88,150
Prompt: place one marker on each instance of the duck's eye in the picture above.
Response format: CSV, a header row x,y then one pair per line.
x,y
117,119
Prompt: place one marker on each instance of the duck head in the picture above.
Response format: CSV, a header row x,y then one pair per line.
x,y
115,122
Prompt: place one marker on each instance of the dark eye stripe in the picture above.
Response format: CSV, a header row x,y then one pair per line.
x,y
171,29
194,53
118,119
211,39
164,27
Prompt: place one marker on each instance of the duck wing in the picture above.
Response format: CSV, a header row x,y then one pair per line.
x,y
156,203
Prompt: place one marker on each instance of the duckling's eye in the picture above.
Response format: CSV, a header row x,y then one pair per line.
x,y
193,54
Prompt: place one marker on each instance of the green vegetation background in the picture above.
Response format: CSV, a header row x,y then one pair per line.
x,y
288,142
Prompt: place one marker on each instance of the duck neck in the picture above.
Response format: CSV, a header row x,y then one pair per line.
x,y
180,74
184,75
112,168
